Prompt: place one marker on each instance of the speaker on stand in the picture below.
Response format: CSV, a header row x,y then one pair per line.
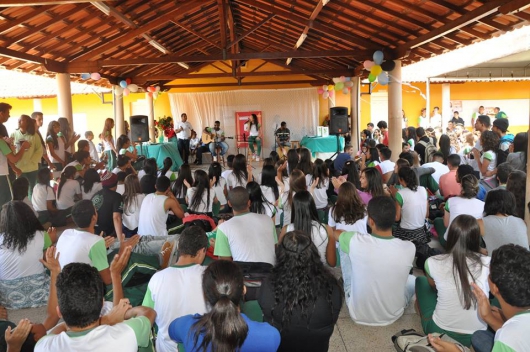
x,y
139,125
338,124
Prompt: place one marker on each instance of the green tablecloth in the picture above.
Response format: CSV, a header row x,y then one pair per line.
x,y
322,144
160,152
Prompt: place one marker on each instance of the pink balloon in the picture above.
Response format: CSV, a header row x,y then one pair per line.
x,y
330,92
95,76
320,90
126,91
368,64
342,79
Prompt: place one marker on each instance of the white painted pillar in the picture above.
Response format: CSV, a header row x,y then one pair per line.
x,y
37,105
447,113
355,96
332,100
527,199
151,116
395,95
64,98
119,120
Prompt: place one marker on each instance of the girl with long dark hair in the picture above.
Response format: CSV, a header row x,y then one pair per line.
x,y
297,183
166,170
370,158
91,184
56,145
22,242
305,165
108,144
304,217
132,202
224,328
150,168
200,197
320,176
371,184
258,203
517,185
411,208
253,127
43,200
179,188
444,296
517,157
68,190
411,136
351,172
445,147
301,297
269,186
241,172
487,162
219,186
123,144
292,160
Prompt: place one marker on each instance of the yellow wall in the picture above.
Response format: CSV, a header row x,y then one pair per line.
x,y
90,104
413,102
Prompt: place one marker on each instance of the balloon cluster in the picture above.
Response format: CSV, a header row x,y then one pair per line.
x,y
379,68
95,76
342,83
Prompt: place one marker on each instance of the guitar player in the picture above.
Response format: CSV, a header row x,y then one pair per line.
x,y
211,137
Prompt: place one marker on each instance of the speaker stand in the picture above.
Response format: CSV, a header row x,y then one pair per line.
x,y
338,147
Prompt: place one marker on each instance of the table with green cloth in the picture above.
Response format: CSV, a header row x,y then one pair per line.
x,y
161,151
322,145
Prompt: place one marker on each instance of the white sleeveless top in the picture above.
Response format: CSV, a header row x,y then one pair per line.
x,y
153,216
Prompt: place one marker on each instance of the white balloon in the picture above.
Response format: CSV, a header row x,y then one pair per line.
x,y
157,88
118,90
348,84
325,95
336,79
132,87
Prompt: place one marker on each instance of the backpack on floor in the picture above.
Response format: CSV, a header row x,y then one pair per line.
x,y
413,341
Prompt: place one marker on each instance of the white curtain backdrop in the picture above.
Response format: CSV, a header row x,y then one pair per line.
x,y
297,107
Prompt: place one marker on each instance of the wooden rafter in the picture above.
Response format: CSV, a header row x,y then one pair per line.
x,y
188,29
50,65
221,8
236,84
251,30
175,14
20,3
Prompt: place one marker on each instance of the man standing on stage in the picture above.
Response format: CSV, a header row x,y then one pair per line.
x,y
183,131
283,137
218,137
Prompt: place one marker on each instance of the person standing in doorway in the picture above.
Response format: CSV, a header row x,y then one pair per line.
x,y
183,131
436,118
254,128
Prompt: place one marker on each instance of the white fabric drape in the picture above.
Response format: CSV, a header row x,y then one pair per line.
x,y
298,107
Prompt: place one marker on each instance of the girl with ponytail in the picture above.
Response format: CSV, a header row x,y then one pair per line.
x,y
412,203
224,328
69,189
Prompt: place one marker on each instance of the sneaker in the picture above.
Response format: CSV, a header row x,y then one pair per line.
x,y
167,250
257,158
214,159
253,156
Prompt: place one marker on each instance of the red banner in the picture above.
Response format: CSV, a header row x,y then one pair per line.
x,y
241,134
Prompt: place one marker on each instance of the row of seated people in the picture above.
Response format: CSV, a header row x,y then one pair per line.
x,y
305,218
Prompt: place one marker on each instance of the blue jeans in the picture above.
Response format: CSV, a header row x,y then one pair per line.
x,y
482,340
223,145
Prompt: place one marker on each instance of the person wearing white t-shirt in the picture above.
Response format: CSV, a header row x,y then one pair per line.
x,y
234,239
319,177
186,277
465,203
385,166
69,189
201,196
444,296
7,155
84,329
155,208
183,131
487,162
241,172
381,286
437,164
412,203
436,118
482,124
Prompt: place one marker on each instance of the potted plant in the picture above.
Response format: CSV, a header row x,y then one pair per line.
x,y
165,125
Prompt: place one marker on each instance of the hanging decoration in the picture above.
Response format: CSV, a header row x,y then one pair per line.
x,y
378,68
342,84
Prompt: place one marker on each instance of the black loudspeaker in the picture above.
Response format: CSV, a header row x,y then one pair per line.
x,y
139,128
338,120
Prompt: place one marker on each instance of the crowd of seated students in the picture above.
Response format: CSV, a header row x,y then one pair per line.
x,y
321,211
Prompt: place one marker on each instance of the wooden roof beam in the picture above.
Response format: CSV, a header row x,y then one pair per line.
x,y
478,14
221,7
236,84
187,29
50,65
329,30
13,23
92,66
20,3
251,30
176,13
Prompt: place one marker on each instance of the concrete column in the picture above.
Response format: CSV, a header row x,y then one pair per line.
x,y
394,110
355,111
447,114
37,105
119,120
527,199
151,116
428,99
332,100
64,98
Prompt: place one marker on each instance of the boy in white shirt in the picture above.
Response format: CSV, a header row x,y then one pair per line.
x,y
381,286
80,295
186,276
